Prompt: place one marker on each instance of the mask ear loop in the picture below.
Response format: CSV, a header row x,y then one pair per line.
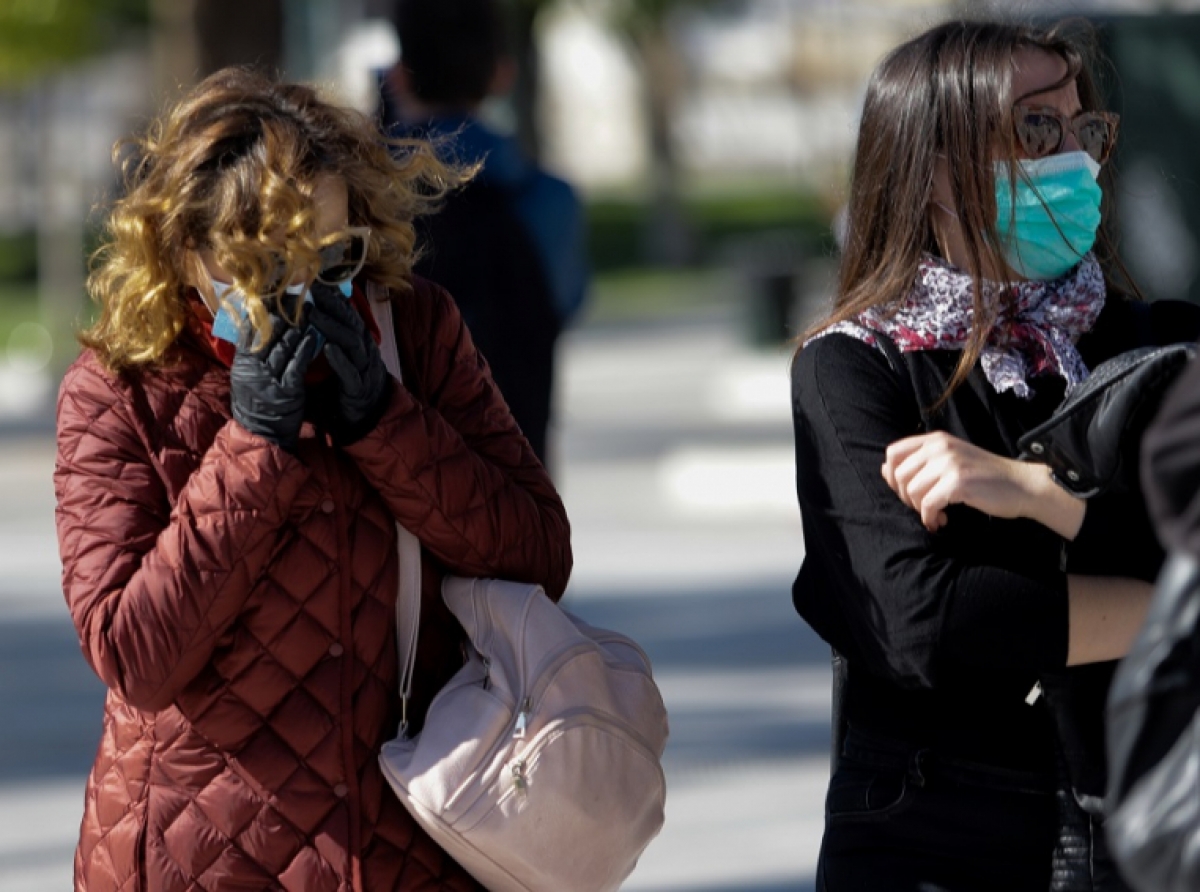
x,y
936,229
933,224
946,209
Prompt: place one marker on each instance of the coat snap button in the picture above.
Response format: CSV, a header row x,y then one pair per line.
x,y
1073,476
336,650
1037,448
327,506
340,791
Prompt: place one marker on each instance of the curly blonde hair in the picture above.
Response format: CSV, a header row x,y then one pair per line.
x,y
231,169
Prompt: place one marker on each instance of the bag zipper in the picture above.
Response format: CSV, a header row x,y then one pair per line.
x,y
521,767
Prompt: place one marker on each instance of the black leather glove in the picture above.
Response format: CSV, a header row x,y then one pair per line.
x,y
362,378
267,385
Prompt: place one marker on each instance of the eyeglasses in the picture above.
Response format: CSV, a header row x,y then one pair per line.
x,y
343,259
1042,131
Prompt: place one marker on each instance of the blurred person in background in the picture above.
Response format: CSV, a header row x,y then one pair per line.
x,y
955,581
1153,719
1154,707
510,246
233,459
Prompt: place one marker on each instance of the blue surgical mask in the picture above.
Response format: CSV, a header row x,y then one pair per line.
x,y
1051,222
226,328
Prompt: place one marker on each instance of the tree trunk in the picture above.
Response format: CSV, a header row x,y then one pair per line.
x,y
238,32
60,209
194,38
668,239
525,93
173,48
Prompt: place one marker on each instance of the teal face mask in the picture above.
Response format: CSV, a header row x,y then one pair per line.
x,y
1051,222
227,328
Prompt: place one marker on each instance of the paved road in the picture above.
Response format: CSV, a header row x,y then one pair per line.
x,y
674,460
50,703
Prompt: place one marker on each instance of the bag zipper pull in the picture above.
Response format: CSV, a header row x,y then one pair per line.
x,y
1034,693
522,720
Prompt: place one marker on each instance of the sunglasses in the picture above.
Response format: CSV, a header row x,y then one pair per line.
x,y
1042,131
343,259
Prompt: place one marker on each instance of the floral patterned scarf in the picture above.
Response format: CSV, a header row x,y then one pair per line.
x,y
1034,332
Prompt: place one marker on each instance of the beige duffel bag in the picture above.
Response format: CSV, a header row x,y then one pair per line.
x,y
539,764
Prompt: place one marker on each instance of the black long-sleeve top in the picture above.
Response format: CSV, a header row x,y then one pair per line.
x,y
946,633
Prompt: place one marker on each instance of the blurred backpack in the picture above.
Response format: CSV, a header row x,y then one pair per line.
x,y
478,249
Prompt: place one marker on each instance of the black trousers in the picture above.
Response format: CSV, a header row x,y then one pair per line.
x,y
907,820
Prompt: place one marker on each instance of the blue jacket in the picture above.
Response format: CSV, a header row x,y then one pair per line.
x,y
546,205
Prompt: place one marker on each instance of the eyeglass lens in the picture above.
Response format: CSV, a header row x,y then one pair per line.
x,y
1042,134
1095,137
343,259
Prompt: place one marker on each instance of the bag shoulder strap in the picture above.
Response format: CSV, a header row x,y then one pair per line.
x,y
408,548
895,359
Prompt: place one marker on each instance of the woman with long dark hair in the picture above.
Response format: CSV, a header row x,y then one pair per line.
x,y
958,583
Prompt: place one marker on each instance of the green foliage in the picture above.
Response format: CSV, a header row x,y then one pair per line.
x,y
40,35
617,228
649,293
640,17
18,257
18,304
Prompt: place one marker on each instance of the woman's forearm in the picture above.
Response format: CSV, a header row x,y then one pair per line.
x,y
1105,614
1049,504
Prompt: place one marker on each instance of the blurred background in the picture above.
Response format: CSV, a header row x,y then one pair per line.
x,y
711,142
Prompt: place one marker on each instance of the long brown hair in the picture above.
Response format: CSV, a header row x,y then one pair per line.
x,y
944,93
232,169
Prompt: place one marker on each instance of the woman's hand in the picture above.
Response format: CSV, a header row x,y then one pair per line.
x,y
356,362
930,472
266,385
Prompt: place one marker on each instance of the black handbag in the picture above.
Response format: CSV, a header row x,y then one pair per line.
x,y
1092,441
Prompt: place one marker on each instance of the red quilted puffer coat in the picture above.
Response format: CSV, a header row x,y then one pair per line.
x,y
238,601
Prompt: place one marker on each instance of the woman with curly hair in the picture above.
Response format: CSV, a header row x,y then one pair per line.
x,y
233,459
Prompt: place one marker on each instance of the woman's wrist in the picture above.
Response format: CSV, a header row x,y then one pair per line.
x,y
1051,505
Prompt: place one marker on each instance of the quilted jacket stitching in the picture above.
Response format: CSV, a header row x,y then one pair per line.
x,y
411,860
